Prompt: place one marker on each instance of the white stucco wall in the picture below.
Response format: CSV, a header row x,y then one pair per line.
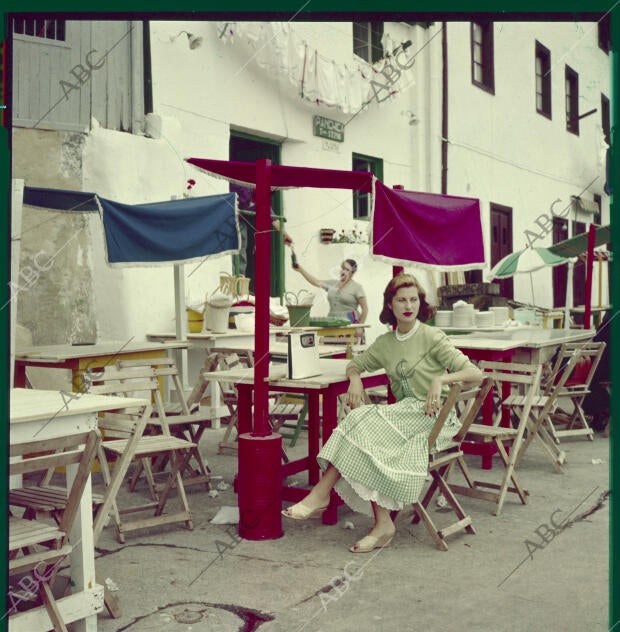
x,y
502,151
220,86
131,302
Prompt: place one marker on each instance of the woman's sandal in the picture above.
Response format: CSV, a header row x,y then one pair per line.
x,y
302,512
370,543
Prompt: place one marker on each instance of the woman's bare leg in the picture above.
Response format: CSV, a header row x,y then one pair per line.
x,y
319,495
380,535
383,520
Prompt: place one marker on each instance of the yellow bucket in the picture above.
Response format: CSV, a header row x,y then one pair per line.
x,y
194,321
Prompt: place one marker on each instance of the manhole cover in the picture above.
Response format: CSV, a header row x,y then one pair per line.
x,y
189,616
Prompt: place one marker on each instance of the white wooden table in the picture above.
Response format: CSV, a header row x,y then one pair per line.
x,y
532,345
37,414
79,358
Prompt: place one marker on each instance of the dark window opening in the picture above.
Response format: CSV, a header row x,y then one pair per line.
x,y
604,38
605,120
572,100
598,214
501,244
46,29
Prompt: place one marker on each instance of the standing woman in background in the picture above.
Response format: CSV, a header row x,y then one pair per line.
x,y
347,299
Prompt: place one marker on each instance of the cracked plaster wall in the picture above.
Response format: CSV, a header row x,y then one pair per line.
x,y
54,300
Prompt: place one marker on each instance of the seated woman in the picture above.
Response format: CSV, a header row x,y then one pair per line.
x,y
377,457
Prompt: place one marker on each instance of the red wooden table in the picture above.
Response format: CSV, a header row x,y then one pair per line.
x,y
331,383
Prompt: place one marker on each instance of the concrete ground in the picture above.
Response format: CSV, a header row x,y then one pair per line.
x,y
517,574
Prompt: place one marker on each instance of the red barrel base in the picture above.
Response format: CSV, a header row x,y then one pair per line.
x,y
259,486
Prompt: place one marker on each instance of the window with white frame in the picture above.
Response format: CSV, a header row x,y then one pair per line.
x,y
543,80
361,200
482,65
367,38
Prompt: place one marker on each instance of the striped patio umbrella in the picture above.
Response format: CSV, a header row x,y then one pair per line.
x,y
529,259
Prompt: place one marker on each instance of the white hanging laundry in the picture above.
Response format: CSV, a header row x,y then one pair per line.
x,y
310,83
327,80
387,43
296,54
278,50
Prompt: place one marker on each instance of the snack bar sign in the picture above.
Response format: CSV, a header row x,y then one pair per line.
x,y
328,128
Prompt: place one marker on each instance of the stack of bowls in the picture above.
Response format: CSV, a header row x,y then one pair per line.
x,y
485,319
501,314
443,318
463,315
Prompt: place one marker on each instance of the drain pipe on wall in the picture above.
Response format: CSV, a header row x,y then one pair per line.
x,y
444,116
444,108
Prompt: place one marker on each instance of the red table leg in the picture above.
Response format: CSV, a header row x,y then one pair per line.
x,y
330,419
244,408
19,376
314,416
486,450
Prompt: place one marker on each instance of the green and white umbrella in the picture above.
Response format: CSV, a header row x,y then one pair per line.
x,y
526,260
529,260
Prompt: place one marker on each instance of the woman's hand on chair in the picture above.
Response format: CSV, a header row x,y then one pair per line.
x,y
433,399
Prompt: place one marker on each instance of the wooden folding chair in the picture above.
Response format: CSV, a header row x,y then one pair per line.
x,y
467,404
228,392
125,442
539,425
515,387
287,413
577,385
37,545
178,417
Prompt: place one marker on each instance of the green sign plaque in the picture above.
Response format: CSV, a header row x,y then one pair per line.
x,y
328,128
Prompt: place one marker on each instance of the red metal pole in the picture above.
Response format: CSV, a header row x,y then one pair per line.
x,y
260,468
262,284
589,269
397,269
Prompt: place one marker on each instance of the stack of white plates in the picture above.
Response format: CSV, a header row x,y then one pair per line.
x,y
443,318
485,319
501,314
463,315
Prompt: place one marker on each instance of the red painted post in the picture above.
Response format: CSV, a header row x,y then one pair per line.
x,y
587,320
397,269
259,483
262,281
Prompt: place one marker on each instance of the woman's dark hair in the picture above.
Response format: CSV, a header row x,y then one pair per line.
x,y
352,263
404,280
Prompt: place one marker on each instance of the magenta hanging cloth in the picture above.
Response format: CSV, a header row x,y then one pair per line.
x,y
431,231
283,177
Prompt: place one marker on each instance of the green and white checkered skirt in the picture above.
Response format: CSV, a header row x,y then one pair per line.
x,y
381,450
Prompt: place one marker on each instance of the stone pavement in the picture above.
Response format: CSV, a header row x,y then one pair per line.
x,y
517,574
